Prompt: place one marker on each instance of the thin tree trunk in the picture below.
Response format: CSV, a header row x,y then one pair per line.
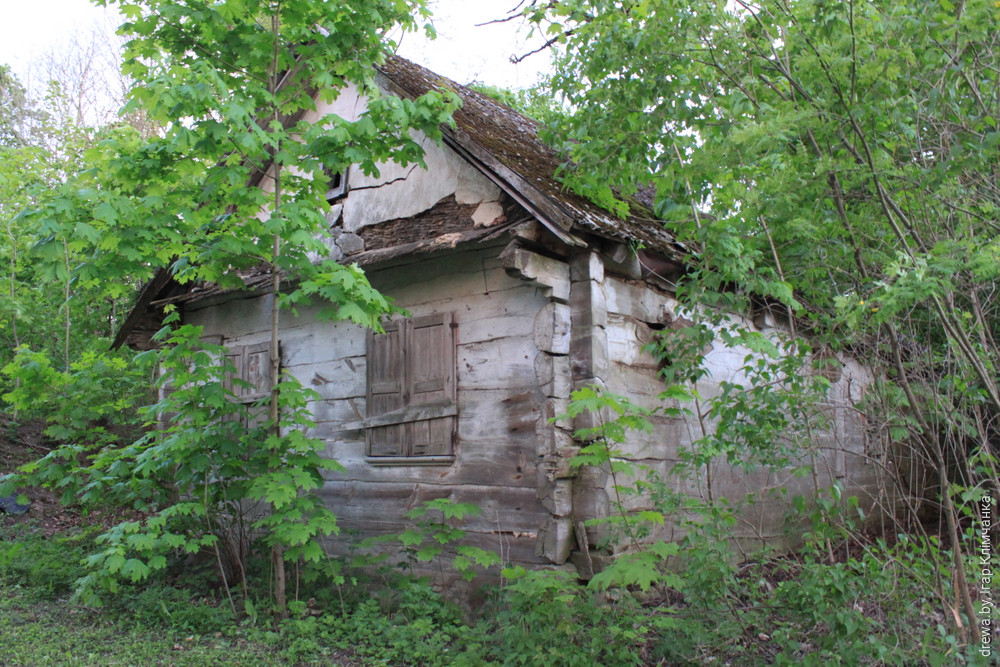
x,y
13,284
277,552
66,306
13,299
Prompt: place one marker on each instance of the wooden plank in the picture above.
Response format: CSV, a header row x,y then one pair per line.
x,y
487,414
482,414
504,363
501,508
557,497
552,274
586,266
386,389
553,375
338,411
460,266
533,234
239,316
513,547
556,539
321,342
552,327
627,340
485,317
435,244
335,379
257,370
497,462
640,383
412,413
431,380
637,300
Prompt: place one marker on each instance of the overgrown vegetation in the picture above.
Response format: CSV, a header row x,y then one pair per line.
x,y
790,154
835,163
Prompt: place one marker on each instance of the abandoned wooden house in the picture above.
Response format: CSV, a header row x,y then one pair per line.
x,y
520,291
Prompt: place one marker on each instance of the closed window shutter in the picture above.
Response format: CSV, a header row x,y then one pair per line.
x,y
235,356
257,370
411,388
431,381
386,386
252,365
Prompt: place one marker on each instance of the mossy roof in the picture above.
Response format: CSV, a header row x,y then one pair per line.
x,y
485,128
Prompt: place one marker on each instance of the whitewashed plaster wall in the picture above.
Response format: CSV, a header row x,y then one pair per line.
x,y
838,452
404,191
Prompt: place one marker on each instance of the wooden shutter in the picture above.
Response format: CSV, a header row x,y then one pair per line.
x,y
430,356
256,370
252,365
235,356
386,388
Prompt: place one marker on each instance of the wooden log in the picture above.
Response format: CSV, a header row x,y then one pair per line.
x,y
557,497
638,301
532,234
492,463
513,547
586,266
502,363
555,442
556,539
487,414
334,379
551,274
553,375
552,328
386,503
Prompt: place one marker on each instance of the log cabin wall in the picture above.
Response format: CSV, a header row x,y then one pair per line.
x,y
614,317
499,400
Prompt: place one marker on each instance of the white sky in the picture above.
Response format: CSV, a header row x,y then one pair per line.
x,y
463,52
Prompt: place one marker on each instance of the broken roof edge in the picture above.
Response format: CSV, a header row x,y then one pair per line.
x,y
503,144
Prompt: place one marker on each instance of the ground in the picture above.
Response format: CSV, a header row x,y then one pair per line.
x,y
22,443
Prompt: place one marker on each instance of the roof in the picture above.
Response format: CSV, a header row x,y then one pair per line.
x,y
504,144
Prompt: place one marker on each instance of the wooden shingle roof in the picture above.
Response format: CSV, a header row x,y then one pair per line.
x,y
504,145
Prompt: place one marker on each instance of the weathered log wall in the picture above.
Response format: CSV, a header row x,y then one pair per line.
x,y
625,316
499,401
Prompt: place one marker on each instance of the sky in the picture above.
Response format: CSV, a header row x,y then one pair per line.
x,y
463,52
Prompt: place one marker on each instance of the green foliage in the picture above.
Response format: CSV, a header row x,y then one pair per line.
x,y
708,605
437,536
235,180
834,165
209,74
411,625
205,473
50,565
548,619
88,406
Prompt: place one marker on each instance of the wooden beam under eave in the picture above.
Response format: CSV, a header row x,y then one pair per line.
x,y
550,214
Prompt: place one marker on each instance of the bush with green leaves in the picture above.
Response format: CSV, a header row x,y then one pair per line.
x,y
215,461
203,479
91,404
47,566
843,598
408,624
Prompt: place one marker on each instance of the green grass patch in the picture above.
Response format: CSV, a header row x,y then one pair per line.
x,y
36,632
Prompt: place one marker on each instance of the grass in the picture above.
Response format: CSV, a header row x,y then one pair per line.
x,y
153,625
869,610
37,632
